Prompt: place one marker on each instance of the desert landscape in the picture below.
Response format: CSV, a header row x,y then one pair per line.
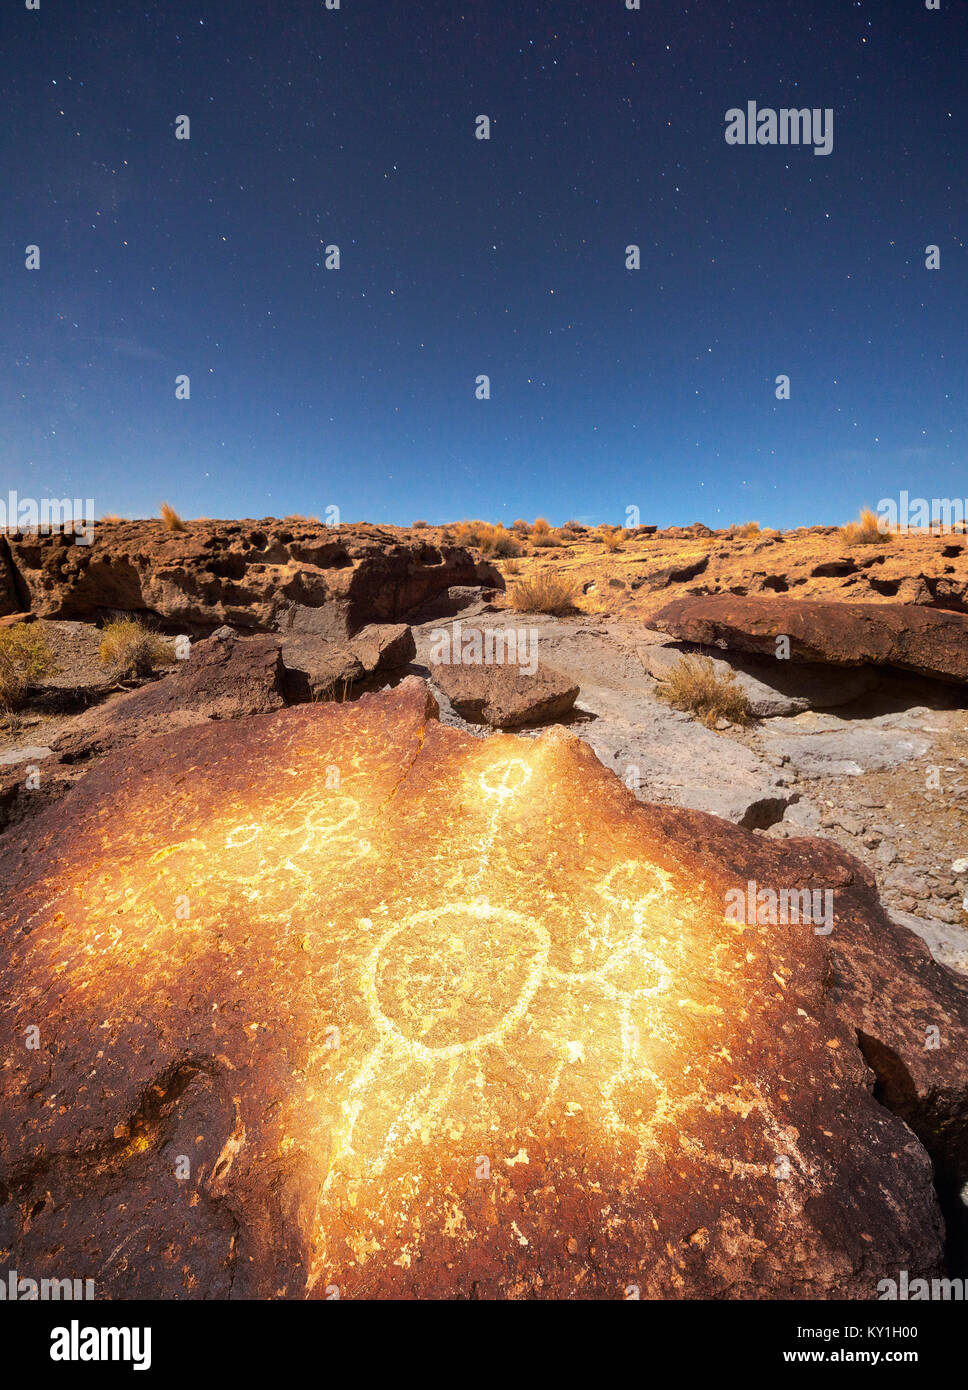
x,y
473,911
484,680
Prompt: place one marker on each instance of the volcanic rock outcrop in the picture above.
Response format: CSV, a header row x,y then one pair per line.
x,y
928,641
294,574
338,998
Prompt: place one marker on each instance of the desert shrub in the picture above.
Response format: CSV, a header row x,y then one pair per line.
x,y
477,533
504,546
865,531
612,538
170,519
544,592
748,529
521,527
25,658
512,567
543,536
130,648
421,526
694,685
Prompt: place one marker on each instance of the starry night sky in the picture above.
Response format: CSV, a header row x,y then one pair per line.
x,y
356,387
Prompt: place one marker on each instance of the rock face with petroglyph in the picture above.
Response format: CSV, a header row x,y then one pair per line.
x,y
336,996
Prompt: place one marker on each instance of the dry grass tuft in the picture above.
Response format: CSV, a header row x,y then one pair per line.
x,y
488,539
112,516
170,519
25,658
338,693
130,648
612,537
544,592
476,533
694,685
748,529
542,535
865,531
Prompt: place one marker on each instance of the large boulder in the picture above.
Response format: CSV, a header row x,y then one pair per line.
x,y
320,669
267,574
928,641
505,695
338,998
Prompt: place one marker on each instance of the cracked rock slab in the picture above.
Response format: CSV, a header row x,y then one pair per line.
x,y
928,641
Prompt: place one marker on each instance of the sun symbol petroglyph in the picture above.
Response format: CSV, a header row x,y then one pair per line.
x,y
503,995
458,1004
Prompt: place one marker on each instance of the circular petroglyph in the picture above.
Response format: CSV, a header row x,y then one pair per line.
x,y
506,778
457,977
242,835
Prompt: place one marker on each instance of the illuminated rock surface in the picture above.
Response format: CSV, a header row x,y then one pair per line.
x,y
449,1018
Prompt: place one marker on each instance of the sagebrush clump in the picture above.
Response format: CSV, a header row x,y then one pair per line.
x,y
542,535
612,537
129,649
25,657
489,539
544,592
695,686
170,519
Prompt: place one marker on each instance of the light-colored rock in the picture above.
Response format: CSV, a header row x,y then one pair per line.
x,y
948,943
23,755
822,745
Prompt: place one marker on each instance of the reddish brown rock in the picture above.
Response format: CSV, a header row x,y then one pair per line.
x,y
320,669
505,696
929,641
224,677
12,619
337,997
291,574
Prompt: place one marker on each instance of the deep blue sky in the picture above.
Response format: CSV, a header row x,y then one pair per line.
x,y
356,387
